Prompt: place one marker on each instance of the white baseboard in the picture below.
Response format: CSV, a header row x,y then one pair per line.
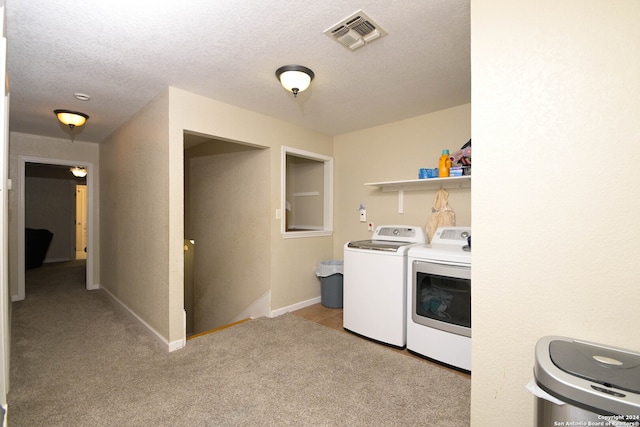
x,y
171,346
177,345
294,307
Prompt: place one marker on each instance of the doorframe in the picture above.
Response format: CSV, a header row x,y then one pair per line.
x,y
21,219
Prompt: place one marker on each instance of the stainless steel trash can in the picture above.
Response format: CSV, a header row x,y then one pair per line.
x,y
594,384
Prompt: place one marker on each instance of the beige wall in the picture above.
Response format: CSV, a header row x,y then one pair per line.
x,y
293,261
135,216
58,150
392,152
143,198
555,201
228,214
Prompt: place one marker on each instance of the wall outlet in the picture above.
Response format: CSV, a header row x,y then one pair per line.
x,y
370,226
363,215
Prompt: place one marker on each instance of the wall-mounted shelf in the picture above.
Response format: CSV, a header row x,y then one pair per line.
x,y
421,184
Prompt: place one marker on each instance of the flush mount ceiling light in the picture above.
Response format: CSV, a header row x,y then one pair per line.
x,y
71,118
78,172
294,78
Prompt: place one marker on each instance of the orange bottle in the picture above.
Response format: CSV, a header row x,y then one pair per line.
x,y
445,164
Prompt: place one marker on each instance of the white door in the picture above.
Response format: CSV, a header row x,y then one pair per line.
x,y
81,218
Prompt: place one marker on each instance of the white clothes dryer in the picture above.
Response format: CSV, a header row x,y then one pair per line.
x,y
439,298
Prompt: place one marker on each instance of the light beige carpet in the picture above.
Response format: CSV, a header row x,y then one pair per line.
x,y
78,360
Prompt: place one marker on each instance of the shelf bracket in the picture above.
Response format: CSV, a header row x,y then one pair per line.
x,y
400,201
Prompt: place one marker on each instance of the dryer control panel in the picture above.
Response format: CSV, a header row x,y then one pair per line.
x,y
450,237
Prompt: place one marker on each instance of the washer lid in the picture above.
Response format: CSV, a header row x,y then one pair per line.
x,y
599,364
378,245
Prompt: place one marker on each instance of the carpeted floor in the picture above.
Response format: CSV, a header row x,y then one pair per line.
x,y
77,359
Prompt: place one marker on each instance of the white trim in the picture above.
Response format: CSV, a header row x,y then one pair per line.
x,y
5,186
171,346
91,259
177,345
294,307
297,234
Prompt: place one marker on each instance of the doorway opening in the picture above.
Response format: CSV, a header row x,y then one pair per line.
x,y
227,231
48,201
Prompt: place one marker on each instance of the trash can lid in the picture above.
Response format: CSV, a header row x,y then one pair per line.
x,y
599,364
595,377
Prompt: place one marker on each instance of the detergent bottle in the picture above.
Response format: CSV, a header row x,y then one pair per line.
x,y
444,165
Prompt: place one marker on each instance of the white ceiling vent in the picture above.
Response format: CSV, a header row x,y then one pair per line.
x,y
356,30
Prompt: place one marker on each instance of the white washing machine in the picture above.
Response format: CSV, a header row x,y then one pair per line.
x,y
374,284
439,298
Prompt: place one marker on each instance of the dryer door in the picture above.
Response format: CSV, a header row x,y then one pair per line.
x,y
441,297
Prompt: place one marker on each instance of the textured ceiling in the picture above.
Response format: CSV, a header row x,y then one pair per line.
x,y
123,53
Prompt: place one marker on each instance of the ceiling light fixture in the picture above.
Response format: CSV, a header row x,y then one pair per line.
x,y
78,172
71,118
294,78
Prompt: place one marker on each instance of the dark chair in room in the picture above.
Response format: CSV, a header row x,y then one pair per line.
x,y
36,245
